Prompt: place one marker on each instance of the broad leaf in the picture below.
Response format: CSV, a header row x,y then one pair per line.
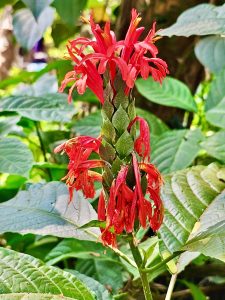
x,y
156,125
45,210
99,289
7,124
78,249
15,157
37,6
171,92
187,196
210,52
49,107
32,296
29,30
203,19
215,145
175,150
216,115
217,92
22,273
70,10
90,125
209,238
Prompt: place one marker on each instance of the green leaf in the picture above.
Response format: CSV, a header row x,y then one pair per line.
x,y
15,157
171,92
187,196
216,93
100,291
209,238
156,125
33,296
45,210
49,107
215,146
27,29
7,124
195,291
176,149
106,272
210,52
120,120
90,125
70,10
77,249
216,115
124,145
22,273
37,6
202,19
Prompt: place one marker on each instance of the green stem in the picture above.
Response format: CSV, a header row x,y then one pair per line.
x,y
171,287
161,264
144,276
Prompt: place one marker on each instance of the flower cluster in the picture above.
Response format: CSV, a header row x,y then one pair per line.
x,y
132,197
130,56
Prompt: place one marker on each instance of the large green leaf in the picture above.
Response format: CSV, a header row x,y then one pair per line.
x,y
216,115
15,157
215,145
69,10
22,273
203,19
176,149
33,296
187,196
210,52
45,210
99,289
78,249
156,125
49,107
90,125
171,92
37,6
217,91
7,124
29,30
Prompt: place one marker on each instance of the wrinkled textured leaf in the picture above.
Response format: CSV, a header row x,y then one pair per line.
x,y
69,10
45,210
7,124
203,19
49,107
210,52
100,291
15,157
171,92
175,150
22,273
27,29
187,196
33,296
215,145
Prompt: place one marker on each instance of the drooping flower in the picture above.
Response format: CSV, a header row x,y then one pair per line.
x,y
130,57
80,177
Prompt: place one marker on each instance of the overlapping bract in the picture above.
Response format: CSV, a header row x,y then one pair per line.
x,y
130,57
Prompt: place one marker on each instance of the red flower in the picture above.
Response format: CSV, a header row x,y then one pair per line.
x,y
79,176
142,143
127,56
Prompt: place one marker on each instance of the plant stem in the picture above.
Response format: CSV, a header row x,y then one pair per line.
x,y
144,277
171,286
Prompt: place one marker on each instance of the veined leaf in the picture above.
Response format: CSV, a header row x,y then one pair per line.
x,y
176,149
189,195
90,125
15,157
215,145
45,210
210,52
7,124
203,19
49,107
216,115
32,296
171,92
22,273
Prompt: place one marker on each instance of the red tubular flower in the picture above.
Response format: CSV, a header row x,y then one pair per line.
x,y
79,176
127,56
142,143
